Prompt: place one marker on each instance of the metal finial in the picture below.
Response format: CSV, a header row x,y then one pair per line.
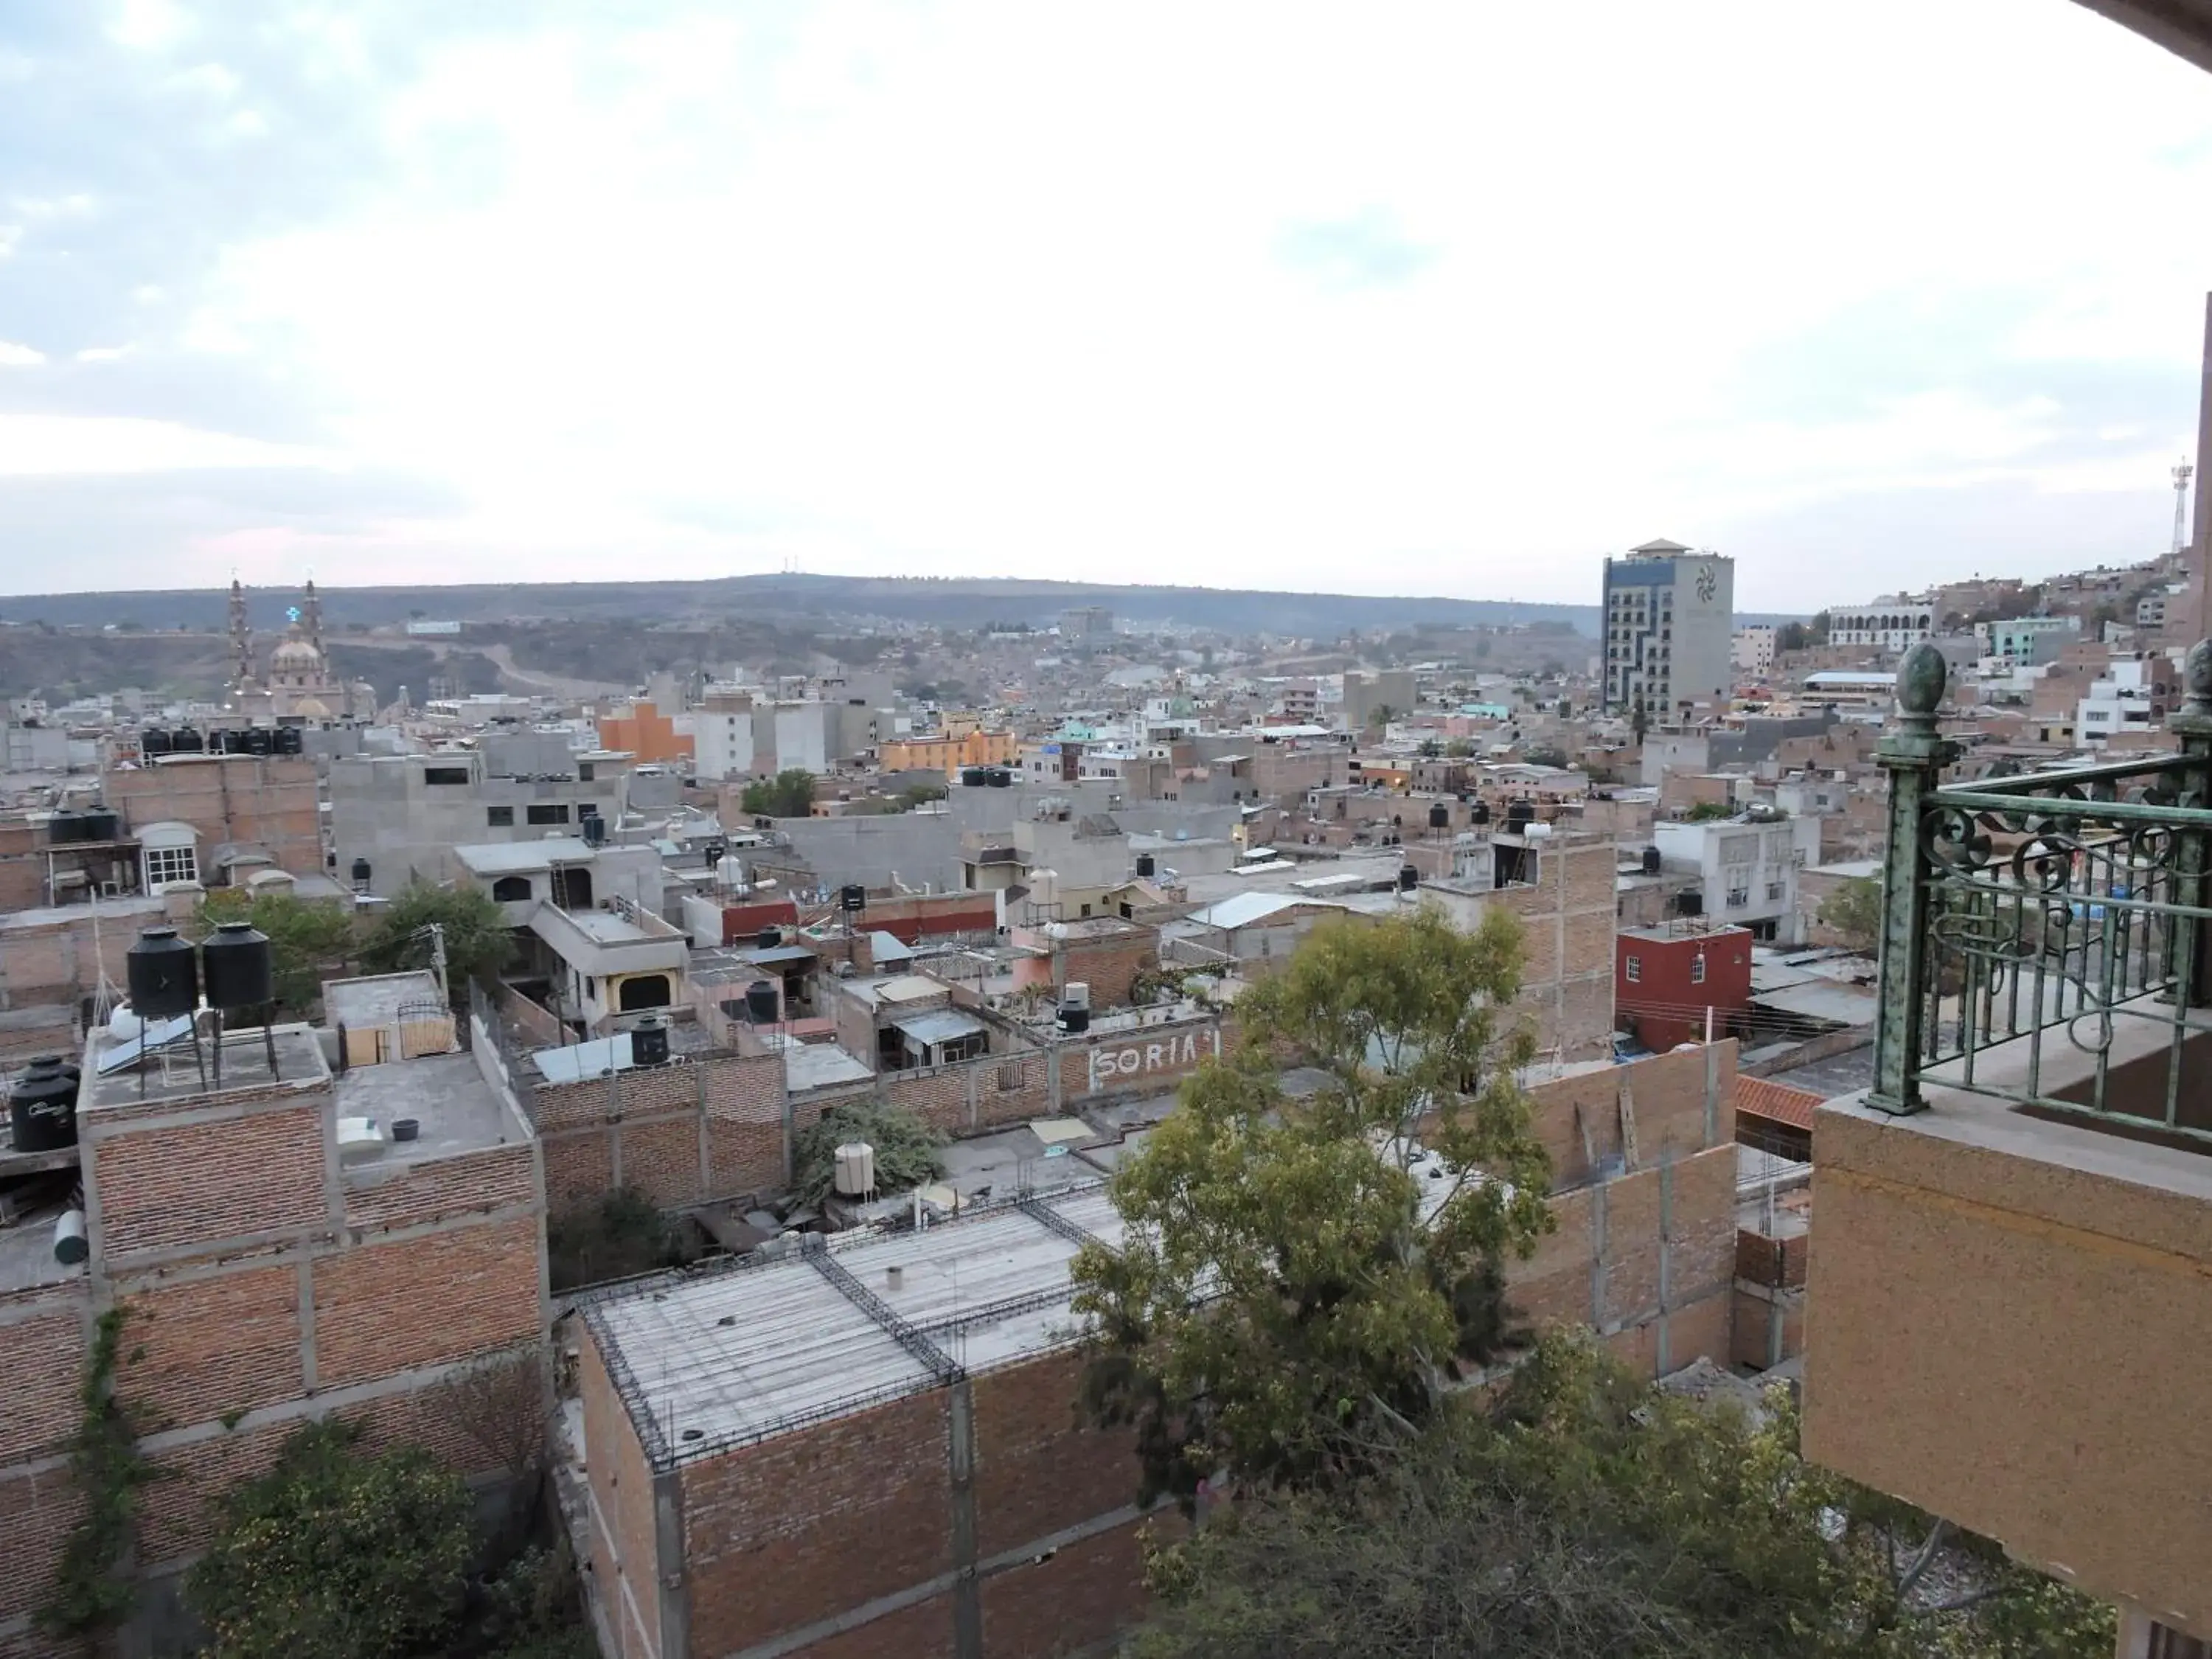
x,y
2196,680
1920,681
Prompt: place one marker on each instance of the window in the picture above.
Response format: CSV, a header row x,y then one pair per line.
x,y
1697,969
1773,893
1738,898
1632,969
644,991
512,890
586,771
171,863
447,774
548,812
500,818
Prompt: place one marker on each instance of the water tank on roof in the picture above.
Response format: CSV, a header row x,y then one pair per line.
x,y
1074,1018
769,938
1650,860
852,898
1439,816
291,740
359,875
594,828
1478,813
856,1170
65,827
761,1002
730,870
164,973
235,960
259,741
186,741
972,777
153,741
42,1105
1077,995
101,824
1146,864
1519,811
1408,878
998,777
649,1041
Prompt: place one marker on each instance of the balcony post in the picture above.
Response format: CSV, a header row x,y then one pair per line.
x,y
1914,754
2192,859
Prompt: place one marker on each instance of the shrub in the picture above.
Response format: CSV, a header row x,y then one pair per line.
x,y
906,1148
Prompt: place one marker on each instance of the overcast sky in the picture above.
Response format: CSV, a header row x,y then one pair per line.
x,y
1447,299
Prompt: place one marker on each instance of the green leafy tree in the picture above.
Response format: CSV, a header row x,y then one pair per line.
x,y
907,1149
788,795
1709,811
1547,754
1639,721
1820,627
920,794
1586,1514
1853,912
1792,637
1295,1281
336,1554
308,943
1458,748
478,942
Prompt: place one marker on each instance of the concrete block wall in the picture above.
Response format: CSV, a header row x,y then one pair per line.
x,y
1568,920
269,801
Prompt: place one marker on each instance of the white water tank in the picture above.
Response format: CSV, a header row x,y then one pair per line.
x,y
729,872
856,1170
124,1025
1078,994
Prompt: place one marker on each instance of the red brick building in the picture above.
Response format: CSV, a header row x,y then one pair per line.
x,y
273,1269
1668,978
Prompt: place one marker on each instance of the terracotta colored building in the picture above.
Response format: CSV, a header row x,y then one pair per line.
x,y
1668,978
645,733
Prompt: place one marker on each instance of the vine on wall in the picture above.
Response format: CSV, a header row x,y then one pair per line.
x,y
90,1593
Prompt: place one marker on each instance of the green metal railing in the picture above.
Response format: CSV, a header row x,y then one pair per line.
x,y
2047,939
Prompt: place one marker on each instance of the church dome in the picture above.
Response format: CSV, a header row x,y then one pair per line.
x,y
311,708
296,656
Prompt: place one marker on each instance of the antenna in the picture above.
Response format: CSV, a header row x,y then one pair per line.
x,y
2183,472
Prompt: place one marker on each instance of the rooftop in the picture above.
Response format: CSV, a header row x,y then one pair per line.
x,y
446,1094
27,1254
172,1072
522,858
376,1000
708,1362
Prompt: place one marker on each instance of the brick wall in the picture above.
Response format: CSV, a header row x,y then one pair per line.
x,y
48,1030
1067,1603
623,1558
254,1170
1106,965
1568,919
423,1300
1777,1263
770,1530
268,801
1150,1060
229,1342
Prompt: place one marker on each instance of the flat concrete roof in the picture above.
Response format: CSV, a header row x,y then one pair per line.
x,y
376,1000
446,1094
171,1072
708,1363
520,857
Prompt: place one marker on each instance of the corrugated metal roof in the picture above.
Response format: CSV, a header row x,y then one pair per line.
x,y
1242,910
946,1025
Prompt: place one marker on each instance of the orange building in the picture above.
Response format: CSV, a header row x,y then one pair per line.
x,y
644,732
947,753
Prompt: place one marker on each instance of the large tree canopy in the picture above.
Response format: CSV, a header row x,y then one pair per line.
x,y
1305,1271
1584,1515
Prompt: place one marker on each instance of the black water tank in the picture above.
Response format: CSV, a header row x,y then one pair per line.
x,y
1520,811
998,777
164,975
259,741
234,743
1650,860
971,777
761,1002
291,740
1074,1018
1146,864
42,1106
649,1041
852,898
101,824
770,939
1439,816
65,827
153,741
187,741
360,874
594,828
716,851
1408,878
236,962
1478,813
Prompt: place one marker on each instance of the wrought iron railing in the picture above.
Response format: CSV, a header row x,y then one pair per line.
x,y
2047,938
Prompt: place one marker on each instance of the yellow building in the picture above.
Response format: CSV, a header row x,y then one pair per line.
x,y
947,753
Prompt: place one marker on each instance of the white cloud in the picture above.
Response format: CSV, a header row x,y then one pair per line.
x,y
149,25
13,355
1446,299
103,354
59,446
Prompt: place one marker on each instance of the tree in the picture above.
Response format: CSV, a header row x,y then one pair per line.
x,y
1458,748
1294,1282
478,942
920,794
1820,627
788,795
1585,1514
1852,911
1639,722
1547,754
1792,637
1379,716
906,1148
1707,811
308,943
336,1554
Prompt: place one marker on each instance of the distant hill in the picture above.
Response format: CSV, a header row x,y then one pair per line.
x,y
825,602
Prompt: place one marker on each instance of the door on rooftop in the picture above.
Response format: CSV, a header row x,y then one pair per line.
x,y
643,991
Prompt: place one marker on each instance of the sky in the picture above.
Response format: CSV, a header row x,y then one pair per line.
x,y
1448,299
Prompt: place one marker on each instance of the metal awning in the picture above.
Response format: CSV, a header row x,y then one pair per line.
x,y
946,1025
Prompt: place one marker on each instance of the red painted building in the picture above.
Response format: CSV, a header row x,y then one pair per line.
x,y
1666,978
